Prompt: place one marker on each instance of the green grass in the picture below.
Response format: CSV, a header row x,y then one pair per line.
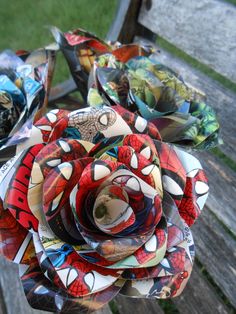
x,y
24,24
162,43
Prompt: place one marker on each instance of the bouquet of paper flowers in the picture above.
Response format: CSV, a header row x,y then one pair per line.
x,y
100,201
25,80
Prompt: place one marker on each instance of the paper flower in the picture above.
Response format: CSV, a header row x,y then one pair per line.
x,y
94,205
129,75
144,86
81,48
24,86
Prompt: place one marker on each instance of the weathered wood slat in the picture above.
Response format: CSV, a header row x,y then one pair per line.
x,y
62,90
9,277
14,300
222,181
215,247
220,201
6,154
12,297
118,24
216,251
199,297
220,98
125,25
3,308
139,306
104,310
204,29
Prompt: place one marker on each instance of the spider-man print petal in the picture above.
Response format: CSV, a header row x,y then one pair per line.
x,y
16,197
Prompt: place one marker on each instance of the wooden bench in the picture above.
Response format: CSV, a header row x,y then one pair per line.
x,y
201,29
205,30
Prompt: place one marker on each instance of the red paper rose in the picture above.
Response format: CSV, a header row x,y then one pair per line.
x,y
96,204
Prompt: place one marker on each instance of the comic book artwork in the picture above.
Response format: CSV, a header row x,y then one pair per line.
x,y
98,205
25,80
127,76
131,76
100,200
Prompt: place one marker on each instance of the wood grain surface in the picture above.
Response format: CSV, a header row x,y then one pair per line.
x,y
197,33
205,29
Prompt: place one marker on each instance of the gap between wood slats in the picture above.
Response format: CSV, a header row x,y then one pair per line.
x,y
199,297
3,308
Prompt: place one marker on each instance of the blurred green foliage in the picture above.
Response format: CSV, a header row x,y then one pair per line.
x,y
24,23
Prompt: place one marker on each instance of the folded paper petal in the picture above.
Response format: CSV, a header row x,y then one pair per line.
x,y
94,203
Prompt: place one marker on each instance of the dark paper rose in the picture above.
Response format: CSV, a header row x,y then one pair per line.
x,y
129,75
81,48
24,86
94,205
155,92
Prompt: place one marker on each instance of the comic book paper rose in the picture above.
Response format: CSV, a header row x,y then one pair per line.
x,y
94,204
24,86
132,76
81,48
143,85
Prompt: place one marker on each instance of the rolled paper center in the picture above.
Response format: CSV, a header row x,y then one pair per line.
x,y
112,212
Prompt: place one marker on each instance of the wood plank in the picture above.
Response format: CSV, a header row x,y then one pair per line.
x,y
104,310
195,287
62,90
3,308
220,98
204,29
125,24
128,305
118,24
14,300
11,289
220,176
216,251
199,297
222,182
